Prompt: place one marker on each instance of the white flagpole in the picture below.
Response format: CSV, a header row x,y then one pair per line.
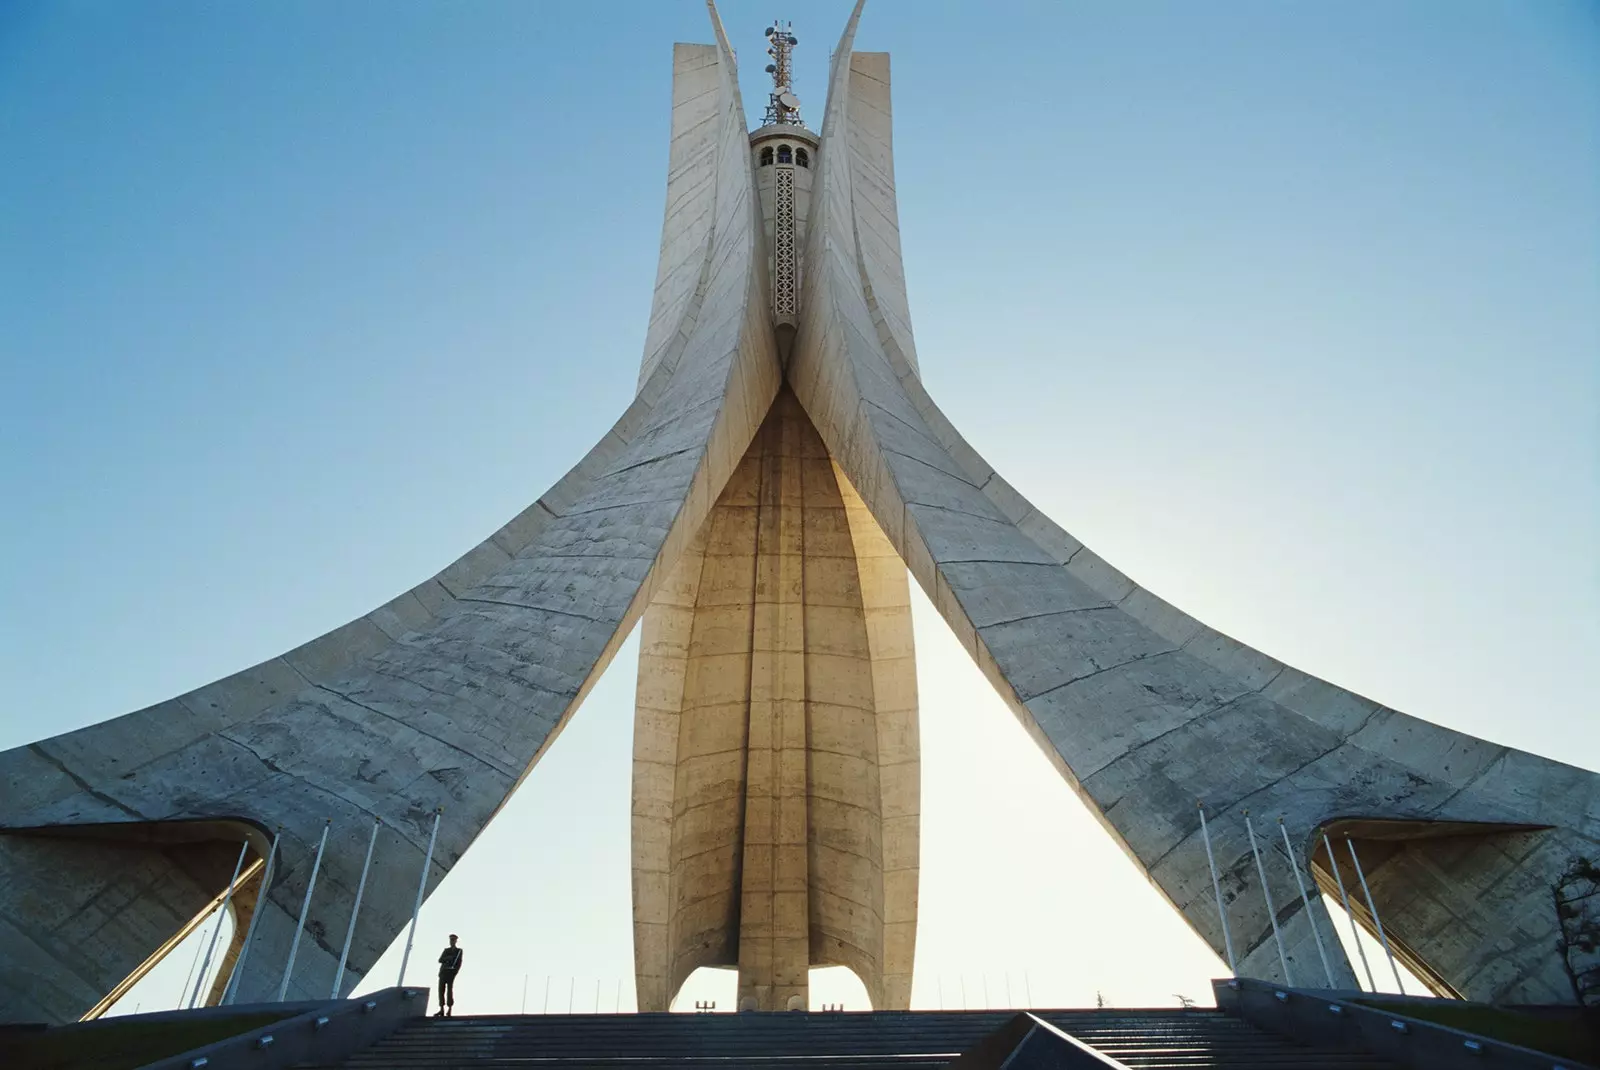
x,y
222,912
305,907
1272,911
1375,919
422,884
1216,888
1305,901
344,955
231,992
1355,933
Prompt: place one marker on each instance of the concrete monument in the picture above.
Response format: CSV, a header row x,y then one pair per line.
x,y
758,505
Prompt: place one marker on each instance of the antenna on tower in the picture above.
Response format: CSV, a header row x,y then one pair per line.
x,y
783,107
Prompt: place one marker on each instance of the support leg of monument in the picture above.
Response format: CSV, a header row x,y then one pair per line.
x,y
446,696
1141,708
776,789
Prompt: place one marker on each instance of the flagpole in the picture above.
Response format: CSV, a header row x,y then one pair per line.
x,y
344,955
231,992
1305,900
222,912
1272,911
305,907
1216,888
422,884
1377,921
1355,933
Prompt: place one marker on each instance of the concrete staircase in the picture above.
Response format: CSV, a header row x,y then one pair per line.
x,y
875,1041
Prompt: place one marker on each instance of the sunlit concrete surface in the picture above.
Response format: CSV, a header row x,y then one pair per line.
x,y
443,699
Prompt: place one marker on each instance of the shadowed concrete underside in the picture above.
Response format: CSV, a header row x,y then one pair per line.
x,y
448,695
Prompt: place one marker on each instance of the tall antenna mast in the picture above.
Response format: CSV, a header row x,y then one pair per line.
x,y
783,107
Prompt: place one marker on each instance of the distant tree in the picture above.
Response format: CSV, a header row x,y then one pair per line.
x,y
1184,1001
1577,898
1099,998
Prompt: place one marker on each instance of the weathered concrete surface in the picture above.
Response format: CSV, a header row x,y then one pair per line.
x,y
1143,709
75,918
444,697
775,760
1441,889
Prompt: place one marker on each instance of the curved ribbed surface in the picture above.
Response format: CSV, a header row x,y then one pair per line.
x,y
775,787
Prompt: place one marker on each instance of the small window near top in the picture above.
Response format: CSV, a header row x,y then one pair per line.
x,y
784,155
802,158
766,156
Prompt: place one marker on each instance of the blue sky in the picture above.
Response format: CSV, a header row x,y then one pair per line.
x,y
1290,311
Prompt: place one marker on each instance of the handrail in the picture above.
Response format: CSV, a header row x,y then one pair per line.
x,y
1337,1020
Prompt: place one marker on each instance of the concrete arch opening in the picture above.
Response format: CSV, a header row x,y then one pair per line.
x,y
829,987
114,900
1430,882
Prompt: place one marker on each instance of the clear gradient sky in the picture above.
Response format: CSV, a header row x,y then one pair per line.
x,y
1291,311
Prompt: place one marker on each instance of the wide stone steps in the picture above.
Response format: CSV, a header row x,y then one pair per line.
x,y
874,1041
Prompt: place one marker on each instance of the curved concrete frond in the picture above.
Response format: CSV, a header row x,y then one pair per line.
x,y
443,698
1143,709
765,506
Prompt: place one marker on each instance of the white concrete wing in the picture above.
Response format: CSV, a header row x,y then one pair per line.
x,y
1143,709
443,698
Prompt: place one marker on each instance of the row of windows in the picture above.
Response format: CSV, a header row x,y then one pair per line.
x,y
800,156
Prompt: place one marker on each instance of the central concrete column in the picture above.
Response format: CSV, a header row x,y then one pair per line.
x,y
774,957
775,756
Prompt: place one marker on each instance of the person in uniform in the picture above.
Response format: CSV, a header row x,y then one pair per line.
x,y
449,965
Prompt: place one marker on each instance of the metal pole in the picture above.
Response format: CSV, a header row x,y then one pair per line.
x,y
546,1009
422,884
232,990
1294,864
305,907
524,993
192,964
596,996
222,912
1382,936
1272,911
616,1006
985,991
1216,888
572,986
1028,984
940,982
1355,933
1009,1001
349,934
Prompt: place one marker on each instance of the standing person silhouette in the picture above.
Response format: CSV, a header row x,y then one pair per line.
x,y
449,966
